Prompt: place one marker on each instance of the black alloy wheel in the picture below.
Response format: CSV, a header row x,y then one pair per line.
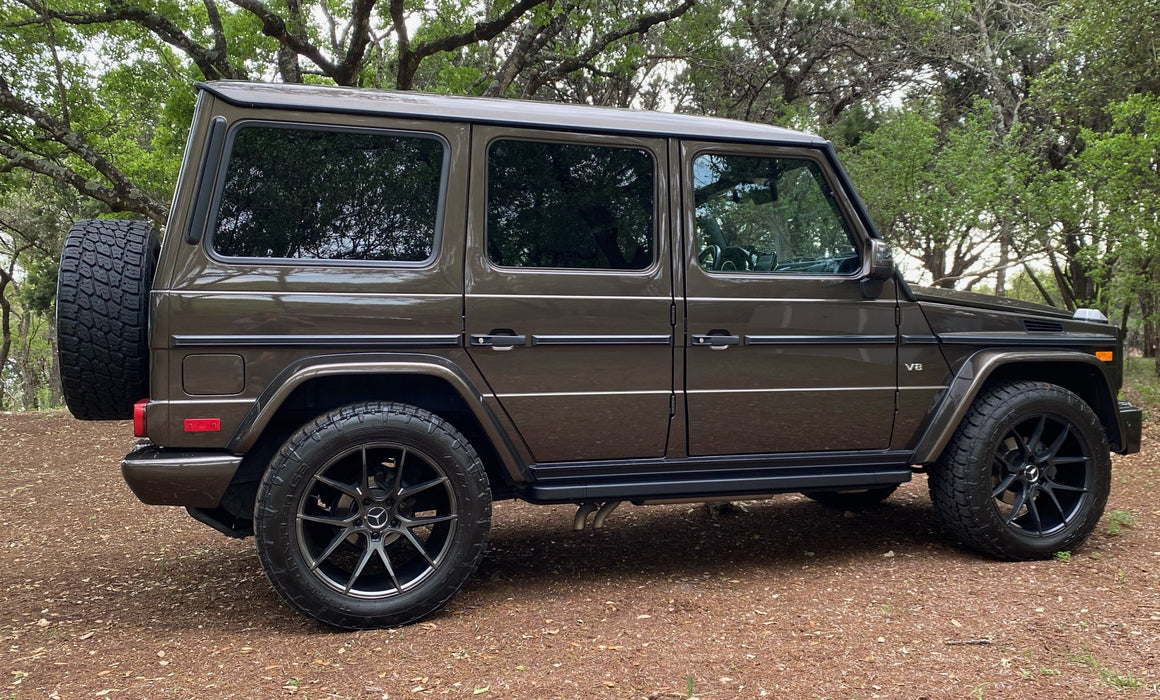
x,y
372,515
377,520
1026,474
1041,476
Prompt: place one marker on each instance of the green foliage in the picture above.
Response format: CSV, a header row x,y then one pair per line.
x,y
1121,167
986,137
1118,520
936,190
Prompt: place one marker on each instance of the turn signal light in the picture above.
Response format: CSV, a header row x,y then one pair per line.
x,y
139,418
1104,355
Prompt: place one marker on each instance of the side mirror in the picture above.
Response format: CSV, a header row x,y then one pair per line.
x,y
881,268
881,261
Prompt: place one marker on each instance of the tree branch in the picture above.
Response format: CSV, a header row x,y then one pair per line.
x,y
133,200
274,27
532,40
212,63
638,27
483,31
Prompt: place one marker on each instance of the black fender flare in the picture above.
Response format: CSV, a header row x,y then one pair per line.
x,y
969,380
379,364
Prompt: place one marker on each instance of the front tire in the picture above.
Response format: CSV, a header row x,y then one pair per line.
x,y
1026,474
372,515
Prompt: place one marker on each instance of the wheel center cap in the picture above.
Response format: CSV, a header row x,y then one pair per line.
x,y
377,517
1031,473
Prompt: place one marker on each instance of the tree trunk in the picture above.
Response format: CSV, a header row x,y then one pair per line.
x,y
1004,260
55,391
26,364
5,332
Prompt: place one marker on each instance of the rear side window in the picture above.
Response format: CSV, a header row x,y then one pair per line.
x,y
310,194
563,205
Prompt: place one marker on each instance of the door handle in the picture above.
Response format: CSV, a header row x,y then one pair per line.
x,y
498,341
716,340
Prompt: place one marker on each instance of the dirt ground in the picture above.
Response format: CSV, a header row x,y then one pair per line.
x,y
101,596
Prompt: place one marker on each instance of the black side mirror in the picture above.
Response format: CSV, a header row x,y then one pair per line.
x,y
881,261
880,268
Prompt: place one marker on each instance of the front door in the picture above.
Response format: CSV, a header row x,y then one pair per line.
x,y
569,290
784,353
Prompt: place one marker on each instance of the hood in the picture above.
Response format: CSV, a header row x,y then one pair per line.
x,y
985,301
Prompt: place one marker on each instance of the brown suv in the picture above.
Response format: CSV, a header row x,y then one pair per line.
x,y
373,313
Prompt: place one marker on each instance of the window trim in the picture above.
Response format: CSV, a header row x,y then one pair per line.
x,y
220,183
692,150
575,139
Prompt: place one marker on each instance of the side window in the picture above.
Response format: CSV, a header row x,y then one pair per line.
x,y
569,205
312,194
769,215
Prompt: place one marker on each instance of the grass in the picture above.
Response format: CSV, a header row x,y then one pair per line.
x,y
1115,680
1141,385
1118,520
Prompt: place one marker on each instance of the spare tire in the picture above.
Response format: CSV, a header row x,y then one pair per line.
x,y
102,316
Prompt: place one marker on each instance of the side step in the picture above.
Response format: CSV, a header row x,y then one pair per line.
x,y
710,484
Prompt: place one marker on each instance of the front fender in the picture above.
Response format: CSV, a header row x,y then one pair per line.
x,y
973,375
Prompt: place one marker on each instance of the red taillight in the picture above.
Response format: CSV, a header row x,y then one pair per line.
x,y
139,418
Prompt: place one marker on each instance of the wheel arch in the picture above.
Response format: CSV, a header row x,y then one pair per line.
x,y
313,386
1078,372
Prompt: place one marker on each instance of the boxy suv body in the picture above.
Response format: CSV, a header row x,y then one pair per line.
x,y
373,313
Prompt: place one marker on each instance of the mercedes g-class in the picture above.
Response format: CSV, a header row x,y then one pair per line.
x,y
372,313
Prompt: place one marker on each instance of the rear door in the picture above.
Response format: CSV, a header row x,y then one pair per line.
x,y
569,301
784,352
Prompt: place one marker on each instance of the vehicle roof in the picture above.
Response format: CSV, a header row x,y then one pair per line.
x,y
483,110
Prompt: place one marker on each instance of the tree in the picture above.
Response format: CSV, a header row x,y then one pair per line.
x,y
112,128
1121,166
936,191
34,214
791,62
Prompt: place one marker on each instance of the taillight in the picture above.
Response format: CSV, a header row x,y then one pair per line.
x,y
139,418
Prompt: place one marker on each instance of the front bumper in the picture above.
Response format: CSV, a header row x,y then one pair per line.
x,y
191,478
1131,428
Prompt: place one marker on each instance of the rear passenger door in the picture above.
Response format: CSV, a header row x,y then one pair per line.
x,y
569,301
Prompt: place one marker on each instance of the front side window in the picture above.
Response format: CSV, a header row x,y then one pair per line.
x,y
310,194
559,205
769,215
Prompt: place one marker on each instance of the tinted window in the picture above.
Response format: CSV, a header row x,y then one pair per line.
x,y
769,215
330,195
569,206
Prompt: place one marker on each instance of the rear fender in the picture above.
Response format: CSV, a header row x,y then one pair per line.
x,y
312,368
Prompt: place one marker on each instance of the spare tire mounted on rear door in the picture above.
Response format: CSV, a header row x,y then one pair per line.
x,y
102,313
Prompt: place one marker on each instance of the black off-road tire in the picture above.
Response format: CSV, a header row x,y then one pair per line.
x,y
1026,474
102,316
860,499
344,487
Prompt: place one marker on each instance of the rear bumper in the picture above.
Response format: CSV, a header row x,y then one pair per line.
x,y
189,478
1131,428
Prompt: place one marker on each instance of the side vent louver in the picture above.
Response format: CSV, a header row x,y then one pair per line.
x,y
1035,325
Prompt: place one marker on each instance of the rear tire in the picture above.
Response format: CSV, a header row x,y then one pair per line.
x,y
372,515
102,316
1026,474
